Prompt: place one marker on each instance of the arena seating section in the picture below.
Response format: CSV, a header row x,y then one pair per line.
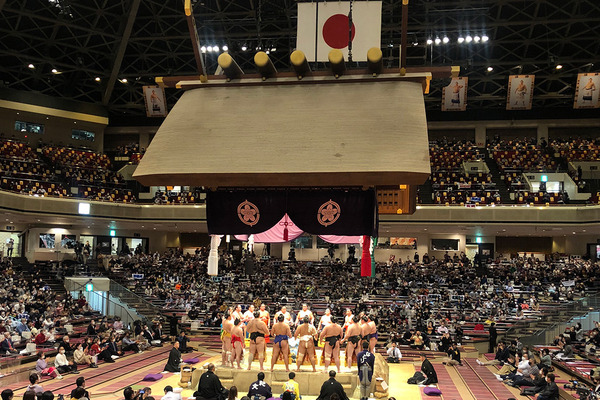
x,y
56,171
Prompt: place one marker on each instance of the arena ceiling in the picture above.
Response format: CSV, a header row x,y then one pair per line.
x,y
103,51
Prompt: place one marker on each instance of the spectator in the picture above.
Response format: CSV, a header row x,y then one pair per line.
x,y
550,392
42,368
170,395
292,387
260,390
210,387
62,364
394,354
7,394
33,384
80,384
332,389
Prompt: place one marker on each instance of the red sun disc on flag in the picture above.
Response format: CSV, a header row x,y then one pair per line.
x,y
335,31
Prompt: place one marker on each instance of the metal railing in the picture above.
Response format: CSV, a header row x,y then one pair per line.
x,y
586,310
143,306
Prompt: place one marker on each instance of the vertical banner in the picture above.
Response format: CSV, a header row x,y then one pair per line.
x,y
154,98
520,92
454,96
330,23
586,94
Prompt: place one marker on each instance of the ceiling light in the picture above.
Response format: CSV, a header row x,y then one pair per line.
x,y
273,49
468,39
438,40
490,69
485,38
476,39
267,51
31,66
209,49
429,41
244,48
415,43
215,48
461,39
97,79
445,39
124,80
225,48
559,66
54,71
203,49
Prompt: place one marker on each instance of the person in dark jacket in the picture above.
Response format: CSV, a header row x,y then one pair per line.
x,y
427,370
210,387
174,359
366,364
330,387
493,337
550,392
260,389
539,384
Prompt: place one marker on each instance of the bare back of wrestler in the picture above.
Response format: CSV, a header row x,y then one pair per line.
x,y
332,334
281,333
306,346
257,330
352,338
372,334
237,342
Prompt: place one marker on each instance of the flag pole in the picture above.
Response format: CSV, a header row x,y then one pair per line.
x,y
403,37
316,35
350,33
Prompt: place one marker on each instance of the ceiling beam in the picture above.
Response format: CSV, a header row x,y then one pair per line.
x,y
121,51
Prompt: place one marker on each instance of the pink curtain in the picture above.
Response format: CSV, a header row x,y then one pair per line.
x,y
340,239
275,234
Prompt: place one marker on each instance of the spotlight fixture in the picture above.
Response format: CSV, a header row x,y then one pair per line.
x,y
438,40
268,51
429,41
225,48
460,39
31,66
468,39
273,49
476,39
244,48
54,71
559,66
445,39
97,79
485,38
415,43
490,69
209,49
203,49
215,48
124,80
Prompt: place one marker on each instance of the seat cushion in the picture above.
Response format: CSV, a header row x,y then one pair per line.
x,y
432,391
152,377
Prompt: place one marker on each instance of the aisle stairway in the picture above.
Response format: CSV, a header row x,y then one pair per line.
x,y
497,179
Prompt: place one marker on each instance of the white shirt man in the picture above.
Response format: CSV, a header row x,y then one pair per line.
x,y
394,353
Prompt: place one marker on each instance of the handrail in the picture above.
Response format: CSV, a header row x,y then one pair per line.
x,y
122,292
131,318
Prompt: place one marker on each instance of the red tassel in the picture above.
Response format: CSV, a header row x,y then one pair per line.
x,y
285,232
365,261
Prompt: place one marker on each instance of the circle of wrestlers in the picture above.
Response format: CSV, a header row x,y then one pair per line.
x,y
258,326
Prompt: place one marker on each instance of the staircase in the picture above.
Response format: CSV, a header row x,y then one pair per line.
x,y
425,192
497,179
141,305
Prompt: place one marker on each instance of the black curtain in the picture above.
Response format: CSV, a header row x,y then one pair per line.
x,y
319,212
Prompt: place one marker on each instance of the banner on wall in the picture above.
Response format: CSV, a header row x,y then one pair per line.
x,y
520,92
154,98
586,94
319,212
454,96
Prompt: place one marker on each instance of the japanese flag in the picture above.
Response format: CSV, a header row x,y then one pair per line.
x,y
329,21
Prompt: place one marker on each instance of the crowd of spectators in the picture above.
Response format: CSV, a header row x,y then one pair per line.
x,y
403,296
